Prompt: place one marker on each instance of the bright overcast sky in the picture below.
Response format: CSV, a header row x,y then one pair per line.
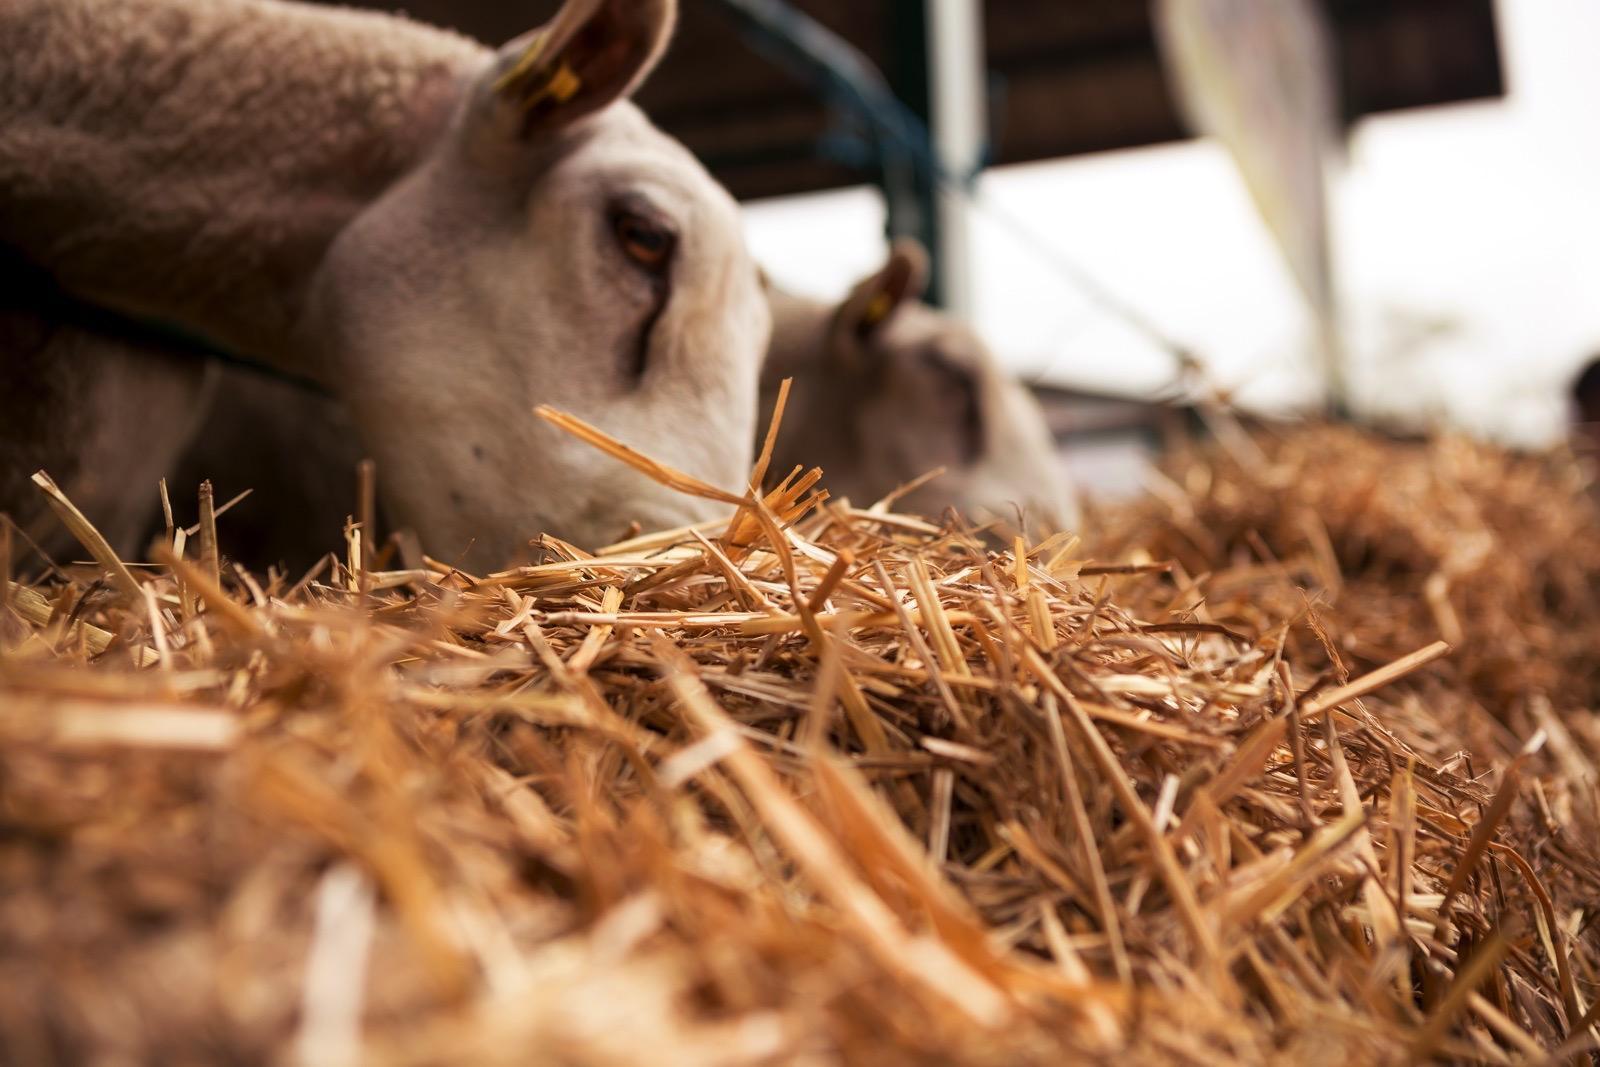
x,y
1468,236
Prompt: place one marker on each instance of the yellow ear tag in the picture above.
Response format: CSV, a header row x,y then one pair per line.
x,y
559,85
877,309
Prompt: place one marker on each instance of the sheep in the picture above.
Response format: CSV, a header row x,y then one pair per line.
x,y
884,390
442,235
887,388
100,411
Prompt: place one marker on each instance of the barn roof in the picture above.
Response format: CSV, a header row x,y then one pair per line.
x,y
1066,76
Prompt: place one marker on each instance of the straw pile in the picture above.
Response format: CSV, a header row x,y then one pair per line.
x,y
1495,552
824,785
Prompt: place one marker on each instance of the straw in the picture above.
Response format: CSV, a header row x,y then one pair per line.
x,y
827,785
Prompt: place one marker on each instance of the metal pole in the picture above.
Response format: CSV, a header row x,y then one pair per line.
x,y
958,100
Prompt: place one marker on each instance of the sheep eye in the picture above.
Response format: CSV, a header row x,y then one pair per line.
x,y
644,240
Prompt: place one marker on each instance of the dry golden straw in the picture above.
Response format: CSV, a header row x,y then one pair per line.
x,y
1293,761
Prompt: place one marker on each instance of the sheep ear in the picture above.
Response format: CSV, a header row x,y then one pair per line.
x,y
874,301
593,53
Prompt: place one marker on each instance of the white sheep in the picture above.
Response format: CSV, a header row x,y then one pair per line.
x,y
887,389
444,236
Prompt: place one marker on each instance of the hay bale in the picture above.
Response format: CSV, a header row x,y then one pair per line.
x,y
816,785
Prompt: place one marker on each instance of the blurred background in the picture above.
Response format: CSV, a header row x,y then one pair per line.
x,y
1397,203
